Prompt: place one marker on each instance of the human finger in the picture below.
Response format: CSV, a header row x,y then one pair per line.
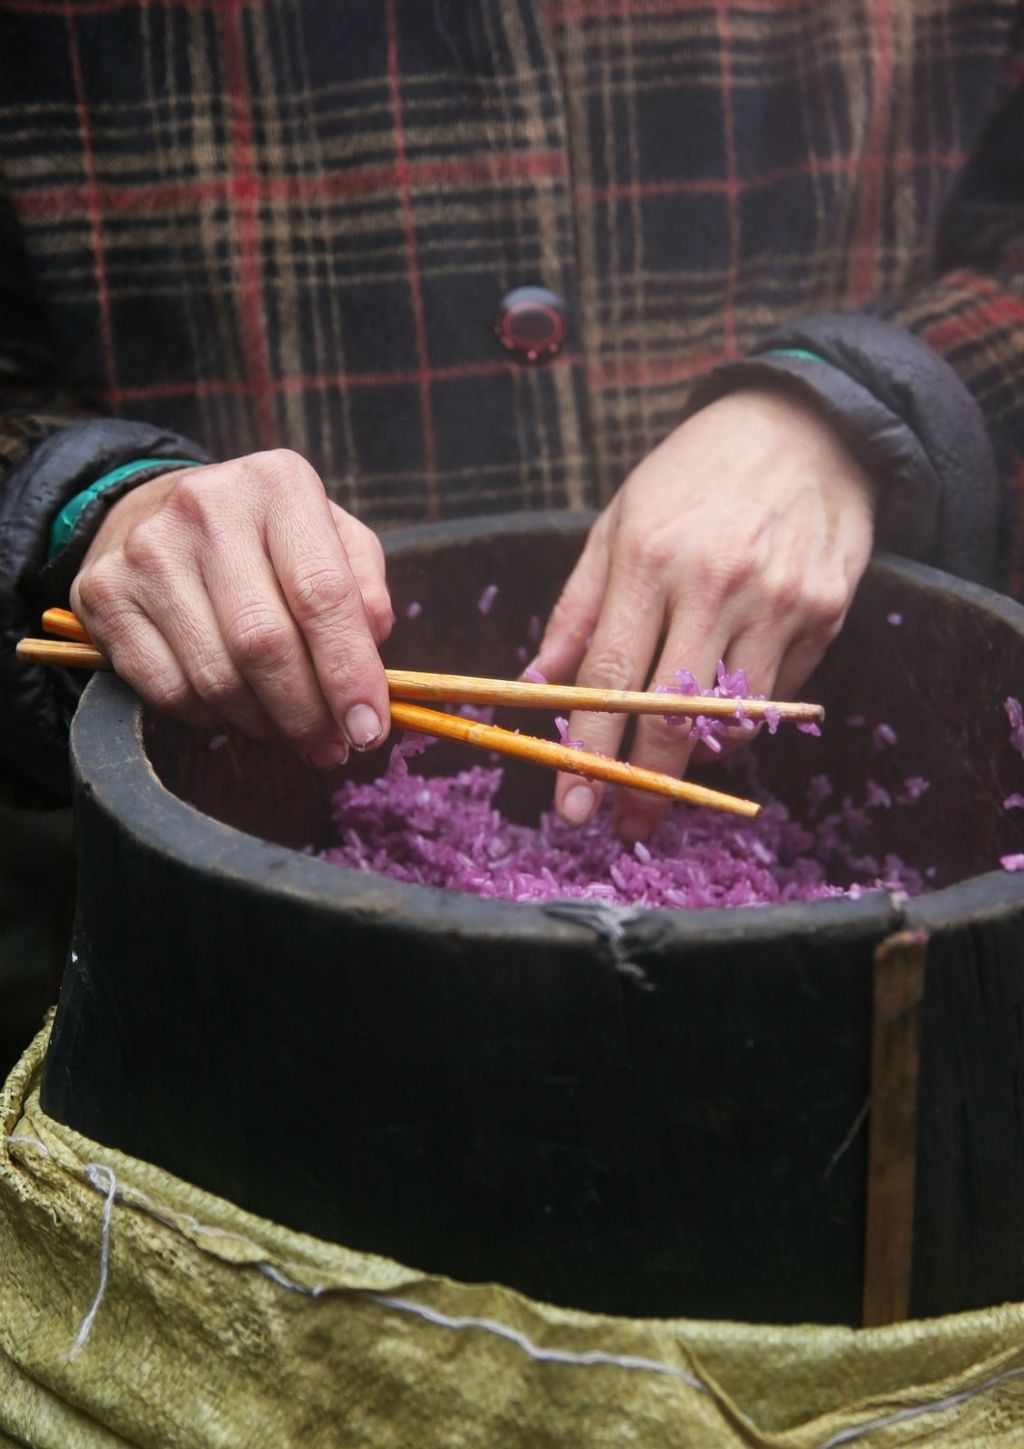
x,y
618,657
262,651
366,559
801,657
323,598
142,657
695,642
158,629
570,625
195,635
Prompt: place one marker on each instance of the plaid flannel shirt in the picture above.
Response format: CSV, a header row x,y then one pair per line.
x,y
237,224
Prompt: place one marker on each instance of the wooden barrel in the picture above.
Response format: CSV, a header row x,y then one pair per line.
x,y
773,1114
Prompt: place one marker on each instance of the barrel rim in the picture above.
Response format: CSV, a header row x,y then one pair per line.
x,y
111,765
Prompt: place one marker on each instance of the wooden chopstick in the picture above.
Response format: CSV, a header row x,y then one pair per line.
x,y
469,689
564,757
66,624
69,654
75,654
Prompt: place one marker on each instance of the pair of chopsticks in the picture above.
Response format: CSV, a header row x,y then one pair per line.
x,y
75,650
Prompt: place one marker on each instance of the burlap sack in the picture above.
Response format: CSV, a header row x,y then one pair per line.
x,y
137,1310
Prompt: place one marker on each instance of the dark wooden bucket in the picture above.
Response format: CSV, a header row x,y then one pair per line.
x,y
487,1090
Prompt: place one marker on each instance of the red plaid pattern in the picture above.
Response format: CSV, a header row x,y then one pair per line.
x,y
262,222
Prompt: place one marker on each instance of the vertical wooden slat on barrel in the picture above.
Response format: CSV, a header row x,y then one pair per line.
x,y
898,987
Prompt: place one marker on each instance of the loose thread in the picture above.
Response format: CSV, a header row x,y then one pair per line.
x,y
29,1142
96,1172
104,1180
609,924
936,1406
309,1290
492,1326
847,1141
534,1351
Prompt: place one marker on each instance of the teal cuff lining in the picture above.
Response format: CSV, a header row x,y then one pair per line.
x,y
64,523
800,353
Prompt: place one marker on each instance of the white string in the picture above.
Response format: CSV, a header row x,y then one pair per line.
x,y
103,1180
847,1436
29,1142
609,923
858,1122
499,1330
275,1274
533,1350
174,1220
95,1172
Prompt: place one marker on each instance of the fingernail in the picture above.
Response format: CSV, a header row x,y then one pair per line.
x,y
362,726
578,805
326,757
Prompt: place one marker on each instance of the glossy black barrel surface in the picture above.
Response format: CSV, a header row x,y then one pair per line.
x,y
664,1117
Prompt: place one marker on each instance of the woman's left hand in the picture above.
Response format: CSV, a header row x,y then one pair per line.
x,y
742,537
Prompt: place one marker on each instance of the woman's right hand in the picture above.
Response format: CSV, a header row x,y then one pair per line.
x,y
239,594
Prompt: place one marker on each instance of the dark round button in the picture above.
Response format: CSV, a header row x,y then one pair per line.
x,y
531,324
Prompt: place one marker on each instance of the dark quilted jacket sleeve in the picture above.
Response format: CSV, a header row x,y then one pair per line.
x,y
50,450
928,390
906,416
972,312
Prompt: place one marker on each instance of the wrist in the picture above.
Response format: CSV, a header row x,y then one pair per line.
x,y
905,415
138,471
768,421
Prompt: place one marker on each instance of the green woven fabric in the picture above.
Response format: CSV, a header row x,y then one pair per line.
x,y
208,1334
